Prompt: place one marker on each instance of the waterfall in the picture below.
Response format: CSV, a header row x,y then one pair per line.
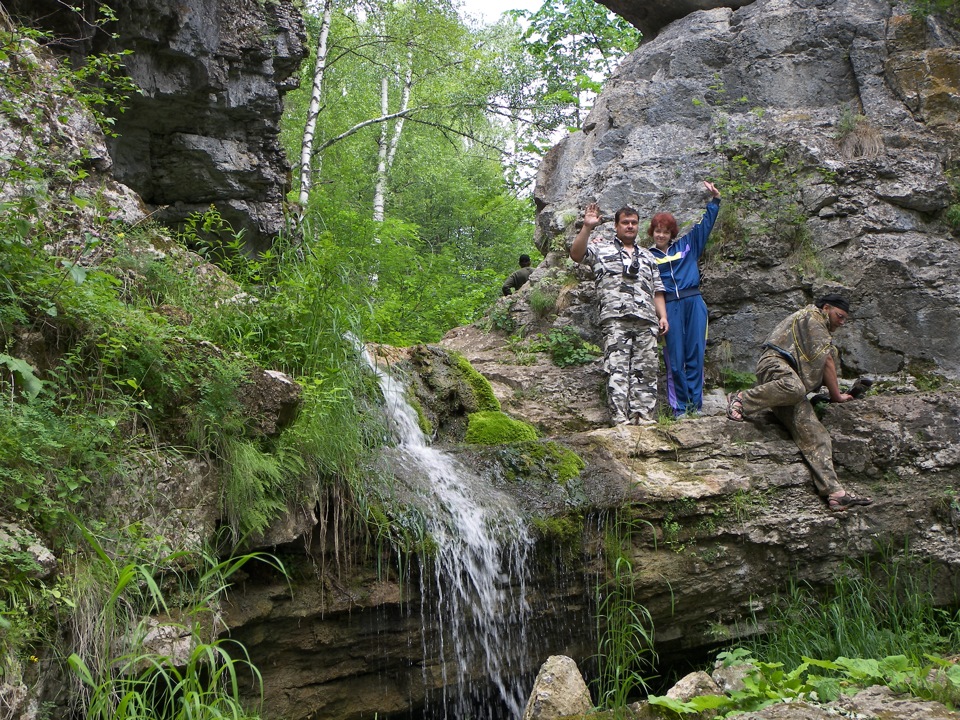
x,y
473,589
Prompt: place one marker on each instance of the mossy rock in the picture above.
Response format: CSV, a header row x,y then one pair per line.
x,y
543,460
496,428
564,530
426,427
485,400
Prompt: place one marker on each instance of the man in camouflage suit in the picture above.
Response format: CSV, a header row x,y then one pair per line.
x,y
632,313
798,358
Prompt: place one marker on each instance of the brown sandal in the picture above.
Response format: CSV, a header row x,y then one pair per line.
x,y
735,406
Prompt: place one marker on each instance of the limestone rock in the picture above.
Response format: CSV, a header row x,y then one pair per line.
x,y
558,691
650,16
271,400
178,499
693,685
205,129
730,678
22,546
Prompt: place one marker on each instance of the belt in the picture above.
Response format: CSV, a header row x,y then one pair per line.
x,y
785,354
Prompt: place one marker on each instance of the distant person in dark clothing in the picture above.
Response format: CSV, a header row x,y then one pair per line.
x,y
518,278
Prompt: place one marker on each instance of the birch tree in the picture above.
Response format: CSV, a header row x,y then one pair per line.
x,y
313,111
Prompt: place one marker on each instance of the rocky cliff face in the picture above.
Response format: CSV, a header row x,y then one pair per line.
x,y
204,130
723,515
831,128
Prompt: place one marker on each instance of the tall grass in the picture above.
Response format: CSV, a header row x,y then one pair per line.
x,y
135,657
874,610
625,632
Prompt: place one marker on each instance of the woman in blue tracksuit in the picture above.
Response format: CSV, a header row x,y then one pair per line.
x,y
678,260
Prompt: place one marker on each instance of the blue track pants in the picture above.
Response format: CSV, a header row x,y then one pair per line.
x,y
683,353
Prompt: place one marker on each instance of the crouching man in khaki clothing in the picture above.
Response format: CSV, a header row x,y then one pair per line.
x,y
798,358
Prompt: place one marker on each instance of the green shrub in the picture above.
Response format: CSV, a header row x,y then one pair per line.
x,y
543,300
495,428
735,380
566,347
953,216
501,319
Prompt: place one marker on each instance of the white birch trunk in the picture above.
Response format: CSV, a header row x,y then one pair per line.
x,y
388,150
313,112
382,144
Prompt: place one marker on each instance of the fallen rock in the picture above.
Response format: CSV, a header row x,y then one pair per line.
x,y
559,691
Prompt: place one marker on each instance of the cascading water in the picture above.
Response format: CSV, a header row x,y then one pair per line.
x,y
475,595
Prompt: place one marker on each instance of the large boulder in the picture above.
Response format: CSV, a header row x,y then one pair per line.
x,y
559,691
650,16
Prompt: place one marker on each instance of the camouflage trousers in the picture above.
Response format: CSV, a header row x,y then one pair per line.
x,y
780,389
630,361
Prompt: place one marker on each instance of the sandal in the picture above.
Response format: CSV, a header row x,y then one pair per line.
x,y
735,406
845,501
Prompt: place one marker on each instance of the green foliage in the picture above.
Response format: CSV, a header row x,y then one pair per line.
x,y
543,300
950,9
735,380
50,459
500,318
767,683
124,677
570,43
952,216
453,225
99,84
760,188
873,611
494,428
483,395
952,213
925,376
565,347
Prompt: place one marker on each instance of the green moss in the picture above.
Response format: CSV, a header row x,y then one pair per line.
x,y
566,464
541,460
496,428
562,530
426,427
486,401
403,531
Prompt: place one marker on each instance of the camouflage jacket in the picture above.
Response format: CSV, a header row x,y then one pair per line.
x,y
620,295
806,336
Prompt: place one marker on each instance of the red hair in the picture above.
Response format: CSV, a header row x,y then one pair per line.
x,y
665,220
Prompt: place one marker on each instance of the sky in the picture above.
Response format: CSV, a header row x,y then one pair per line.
x,y
490,10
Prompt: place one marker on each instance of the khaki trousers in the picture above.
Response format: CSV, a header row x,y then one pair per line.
x,y
779,389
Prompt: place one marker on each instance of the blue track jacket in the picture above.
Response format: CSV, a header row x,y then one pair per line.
x,y
679,264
